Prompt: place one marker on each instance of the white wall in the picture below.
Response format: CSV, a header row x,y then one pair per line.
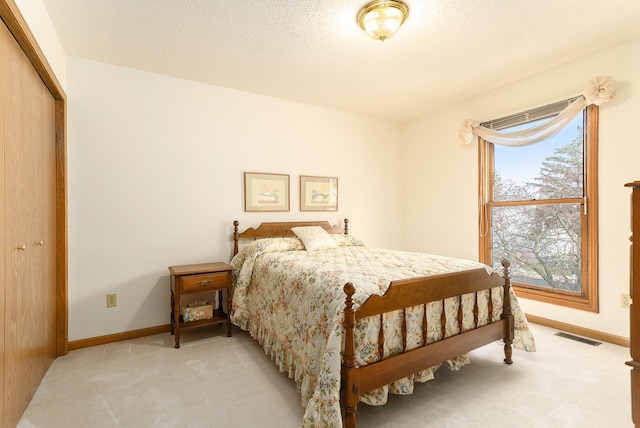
x,y
440,181
155,169
37,18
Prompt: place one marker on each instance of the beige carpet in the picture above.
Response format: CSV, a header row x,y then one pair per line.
x,y
215,381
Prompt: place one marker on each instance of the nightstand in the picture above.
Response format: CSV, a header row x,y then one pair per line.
x,y
200,278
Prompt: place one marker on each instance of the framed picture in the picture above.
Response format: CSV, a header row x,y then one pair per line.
x,y
266,192
318,193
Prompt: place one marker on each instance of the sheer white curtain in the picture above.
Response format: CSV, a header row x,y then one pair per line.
x,y
599,90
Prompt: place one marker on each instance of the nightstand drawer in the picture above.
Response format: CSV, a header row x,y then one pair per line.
x,y
207,281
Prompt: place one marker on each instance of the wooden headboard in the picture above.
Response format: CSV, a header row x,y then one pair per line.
x,y
281,229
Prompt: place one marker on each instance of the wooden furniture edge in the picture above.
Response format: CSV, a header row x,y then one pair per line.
x,y
406,292
580,331
357,380
634,309
423,357
199,268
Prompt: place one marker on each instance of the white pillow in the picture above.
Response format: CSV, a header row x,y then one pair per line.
x,y
314,237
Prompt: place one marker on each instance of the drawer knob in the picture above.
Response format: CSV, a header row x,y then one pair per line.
x,y
204,282
21,247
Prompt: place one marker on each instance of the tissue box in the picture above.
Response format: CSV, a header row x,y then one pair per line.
x,y
193,313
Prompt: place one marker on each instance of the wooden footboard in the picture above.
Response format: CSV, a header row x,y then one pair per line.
x,y
407,293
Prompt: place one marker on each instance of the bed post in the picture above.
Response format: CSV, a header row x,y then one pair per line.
x,y
507,314
349,383
236,223
346,226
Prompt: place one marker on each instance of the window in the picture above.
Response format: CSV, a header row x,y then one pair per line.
x,y
538,208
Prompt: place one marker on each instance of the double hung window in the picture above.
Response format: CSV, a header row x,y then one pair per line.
x,y
538,208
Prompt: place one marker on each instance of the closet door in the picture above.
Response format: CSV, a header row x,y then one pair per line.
x,y
41,229
28,140
17,144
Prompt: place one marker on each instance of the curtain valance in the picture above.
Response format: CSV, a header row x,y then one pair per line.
x,y
599,90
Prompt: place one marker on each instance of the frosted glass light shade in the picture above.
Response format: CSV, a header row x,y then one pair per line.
x,y
382,18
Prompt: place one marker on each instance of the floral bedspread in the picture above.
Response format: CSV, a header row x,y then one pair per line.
x,y
291,301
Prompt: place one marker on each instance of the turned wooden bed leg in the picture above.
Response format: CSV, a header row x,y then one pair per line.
x,y
507,313
346,226
349,384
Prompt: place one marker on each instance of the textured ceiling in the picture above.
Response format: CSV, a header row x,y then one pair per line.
x,y
313,51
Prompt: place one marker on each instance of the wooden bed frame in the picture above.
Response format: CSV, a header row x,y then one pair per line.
x,y
400,295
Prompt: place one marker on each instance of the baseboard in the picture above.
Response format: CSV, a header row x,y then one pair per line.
x,y
580,331
110,338
569,328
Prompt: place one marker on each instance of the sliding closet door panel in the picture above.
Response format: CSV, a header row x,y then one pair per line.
x,y
40,287
18,357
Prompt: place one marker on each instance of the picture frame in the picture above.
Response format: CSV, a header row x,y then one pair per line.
x,y
266,192
318,193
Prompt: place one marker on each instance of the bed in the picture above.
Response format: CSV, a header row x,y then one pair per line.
x,y
352,324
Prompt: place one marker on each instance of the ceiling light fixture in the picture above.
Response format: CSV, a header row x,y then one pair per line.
x,y
382,18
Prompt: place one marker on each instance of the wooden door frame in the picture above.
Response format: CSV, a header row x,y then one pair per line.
x,y
16,24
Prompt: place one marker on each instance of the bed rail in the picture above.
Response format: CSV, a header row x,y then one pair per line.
x,y
407,293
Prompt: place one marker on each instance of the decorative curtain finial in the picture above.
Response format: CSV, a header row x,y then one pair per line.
x,y
599,90
465,134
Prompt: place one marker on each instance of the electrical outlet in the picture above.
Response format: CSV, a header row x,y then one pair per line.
x,y
625,300
112,300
